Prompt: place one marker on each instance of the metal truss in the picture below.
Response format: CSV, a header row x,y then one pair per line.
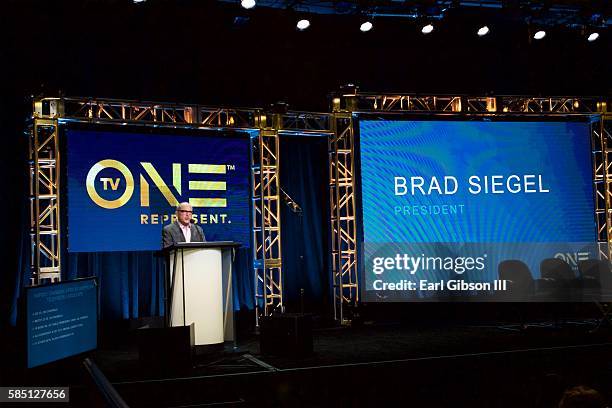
x,y
304,123
267,249
525,104
343,216
601,132
266,229
364,102
606,137
45,240
339,126
342,199
267,202
46,234
97,110
401,103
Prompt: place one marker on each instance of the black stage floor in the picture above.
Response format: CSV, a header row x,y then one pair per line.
x,y
383,365
391,364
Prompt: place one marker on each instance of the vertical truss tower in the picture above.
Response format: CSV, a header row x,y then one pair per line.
x,y
44,161
343,217
267,252
601,132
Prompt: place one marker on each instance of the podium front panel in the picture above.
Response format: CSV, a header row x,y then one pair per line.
x,y
203,292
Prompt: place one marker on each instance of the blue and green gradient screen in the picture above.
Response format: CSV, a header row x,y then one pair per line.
x,y
452,199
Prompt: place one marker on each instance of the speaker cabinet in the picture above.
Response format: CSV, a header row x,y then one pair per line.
x,y
166,348
288,334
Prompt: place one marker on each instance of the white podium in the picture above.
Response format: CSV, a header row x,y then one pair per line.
x,y
199,289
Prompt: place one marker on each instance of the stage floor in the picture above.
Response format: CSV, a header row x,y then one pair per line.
x,y
384,364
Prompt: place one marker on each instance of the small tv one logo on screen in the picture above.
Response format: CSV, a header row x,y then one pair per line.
x,y
148,174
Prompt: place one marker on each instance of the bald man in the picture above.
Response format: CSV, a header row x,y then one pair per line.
x,y
182,230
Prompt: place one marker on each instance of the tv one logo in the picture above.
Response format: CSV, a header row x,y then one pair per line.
x,y
149,172
573,258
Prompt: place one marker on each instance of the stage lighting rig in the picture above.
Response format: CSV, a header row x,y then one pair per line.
x,y
567,13
482,31
593,36
303,24
540,34
248,4
366,26
427,29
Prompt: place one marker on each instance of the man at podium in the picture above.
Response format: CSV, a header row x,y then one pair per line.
x,y
182,230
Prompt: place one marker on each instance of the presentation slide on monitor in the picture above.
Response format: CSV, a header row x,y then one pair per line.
x,y
62,320
123,187
444,202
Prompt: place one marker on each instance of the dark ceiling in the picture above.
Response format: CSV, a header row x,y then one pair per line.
x,y
215,52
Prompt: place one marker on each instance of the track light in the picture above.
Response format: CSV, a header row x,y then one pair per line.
x,y
592,37
427,29
303,24
482,31
366,26
247,4
539,35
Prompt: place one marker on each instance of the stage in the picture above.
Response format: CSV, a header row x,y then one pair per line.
x,y
388,363
391,364
434,193
409,305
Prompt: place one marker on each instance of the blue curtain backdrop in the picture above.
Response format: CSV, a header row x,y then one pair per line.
x,y
305,238
131,283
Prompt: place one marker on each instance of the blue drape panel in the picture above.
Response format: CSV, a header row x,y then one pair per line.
x,y
131,284
304,176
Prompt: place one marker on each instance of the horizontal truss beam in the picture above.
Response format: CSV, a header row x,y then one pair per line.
x,y
93,110
366,102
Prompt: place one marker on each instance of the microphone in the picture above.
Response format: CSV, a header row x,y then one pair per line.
x,y
293,206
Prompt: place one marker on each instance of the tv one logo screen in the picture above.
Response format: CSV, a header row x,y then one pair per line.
x,y
124,187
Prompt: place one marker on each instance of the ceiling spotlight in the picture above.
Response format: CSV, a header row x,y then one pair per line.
x,y
427,29
247,4
138,1
482,31
539,35
366,26
592,37
303,24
